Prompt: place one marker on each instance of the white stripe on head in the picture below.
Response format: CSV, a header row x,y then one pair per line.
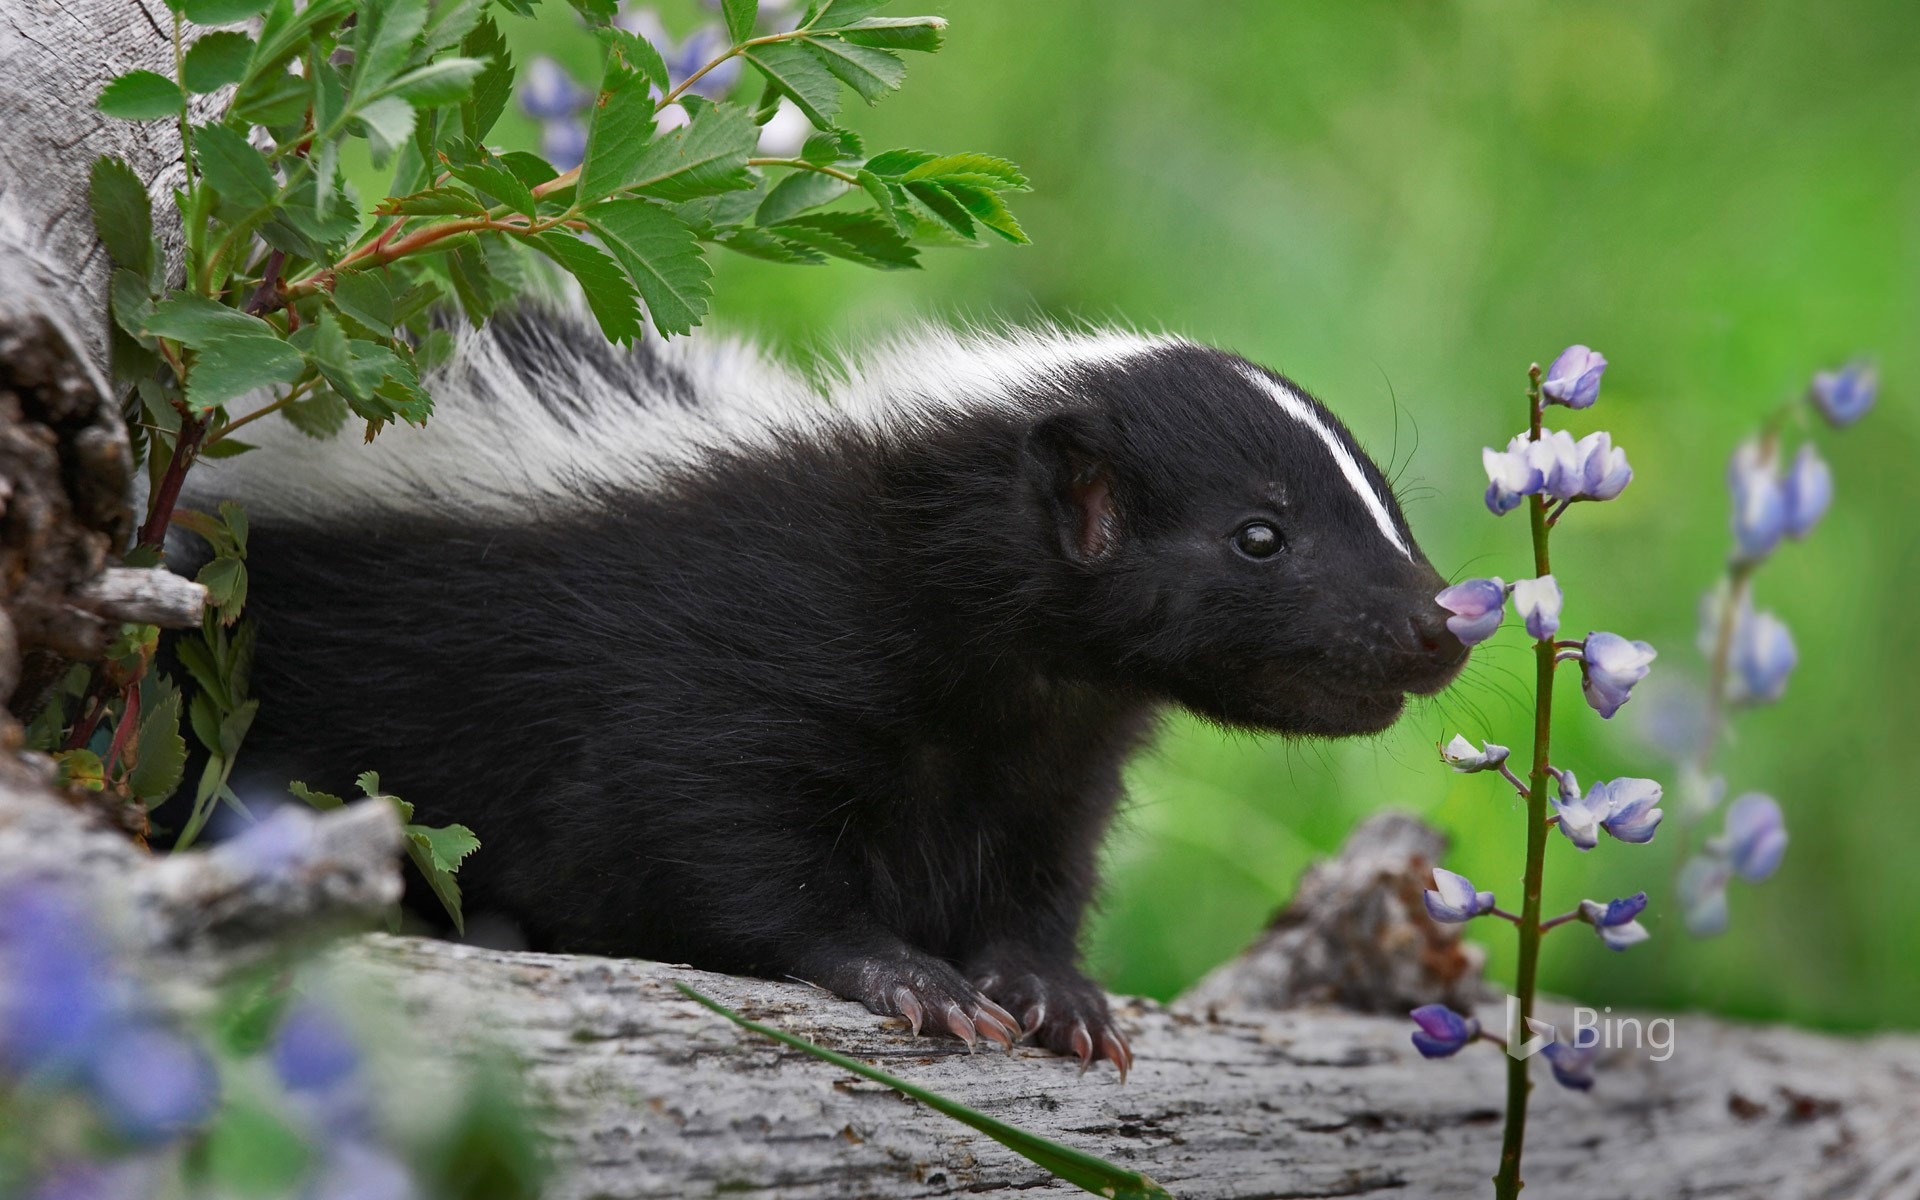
x,y
1299,409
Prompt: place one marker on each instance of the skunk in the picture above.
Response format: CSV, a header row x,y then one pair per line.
x,y
823,675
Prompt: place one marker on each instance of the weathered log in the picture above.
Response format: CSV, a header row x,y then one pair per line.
x,y
145,596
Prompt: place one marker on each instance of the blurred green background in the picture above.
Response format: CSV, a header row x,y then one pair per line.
x,y
1400,205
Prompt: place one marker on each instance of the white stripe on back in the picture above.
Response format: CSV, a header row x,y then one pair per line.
x,y
1298,408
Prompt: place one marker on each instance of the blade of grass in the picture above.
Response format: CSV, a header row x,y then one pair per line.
x,y
1088,1171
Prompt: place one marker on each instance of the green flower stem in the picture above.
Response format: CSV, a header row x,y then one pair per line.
x,y
801,164
1507,1184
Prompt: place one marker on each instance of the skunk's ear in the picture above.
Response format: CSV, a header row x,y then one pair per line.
x,y
1076,483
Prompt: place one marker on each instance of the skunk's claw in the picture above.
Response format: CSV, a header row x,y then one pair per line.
x,y
1064,1013
935,1001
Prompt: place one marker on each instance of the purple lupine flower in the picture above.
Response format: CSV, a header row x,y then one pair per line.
x,y
564,142
1564,475
1631,812
1572,1065
152,1084
701,47
1604,472
1703,894
1614,921
547,92
1442,1031
127,1179
1807,490
1518,471
1478,606
1609,667
1763,656
1580,815
358,1170
1759,502
1462,757
312,1051
1452,899
1539,601
58,993
1574,377
1844,396
1755,837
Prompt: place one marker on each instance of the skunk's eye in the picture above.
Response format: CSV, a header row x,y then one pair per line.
x,y
1257,539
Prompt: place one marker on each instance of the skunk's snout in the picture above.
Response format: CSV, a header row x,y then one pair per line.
x,y
1442,653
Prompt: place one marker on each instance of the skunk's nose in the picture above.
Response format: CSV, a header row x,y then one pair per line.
x,y
1428,624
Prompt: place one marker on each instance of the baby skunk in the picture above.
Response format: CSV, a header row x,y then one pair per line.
x,y
830,680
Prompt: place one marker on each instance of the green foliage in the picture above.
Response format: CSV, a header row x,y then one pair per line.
x,y
436,850
1083,1170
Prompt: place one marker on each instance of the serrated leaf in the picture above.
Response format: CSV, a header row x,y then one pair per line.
x,y
472,281
220,577
609,292
160,753
226,447
619,136
196,321
663,257
494,179
365,298
876,189
319,414
438,83
869,71
865,238
797,74
755,242
284,33
434,202
596,12
141,96
122,214
493,85
988,209
232,366
446,845
388,122
236,521
215,61
831,145
835,14
449,22
382,44
79,769
638,53
440,880
324,801
709,214
977,170
797,193
279,100
892,164
896,33
236,170
704,157
944,207
220,12
741,15
132,304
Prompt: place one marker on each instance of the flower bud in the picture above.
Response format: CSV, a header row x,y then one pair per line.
x,y
1572,1065
1462,757
1574,377
1755,838
1539,601
1610,665
1580,815
1844,396
1442,1031
1452,900
1703,895
1514,473
1759,502
1604,472
1763,656
153,1084
1477,605
1614,921
1631,812
1807,491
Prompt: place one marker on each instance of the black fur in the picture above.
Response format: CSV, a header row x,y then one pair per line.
x,y
855,710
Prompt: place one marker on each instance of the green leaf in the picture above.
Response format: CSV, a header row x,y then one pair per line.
x,y
976,170
988,209
122,214
215,61
706,156
141,96
620,135
663,257
369,784
609,292
892,164
79,769
797,193
195,321
236,170
638,53
365,298
220,577
741,15
493,85
896,33
279,100
227,447
882,197
831,146
837,14
446,846
529,168
944,207
132,304
795,72
473,283
434,202
446,889
869,71
319,414
220,12
324,801
284,33
865,238
596,13
231,366
1087,1171
160,753
494,179
764,244
438,83
236,520
382,44
450,22
388,121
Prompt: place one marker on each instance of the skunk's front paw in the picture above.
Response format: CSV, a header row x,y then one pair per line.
x,y
1064,1012
935,1000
